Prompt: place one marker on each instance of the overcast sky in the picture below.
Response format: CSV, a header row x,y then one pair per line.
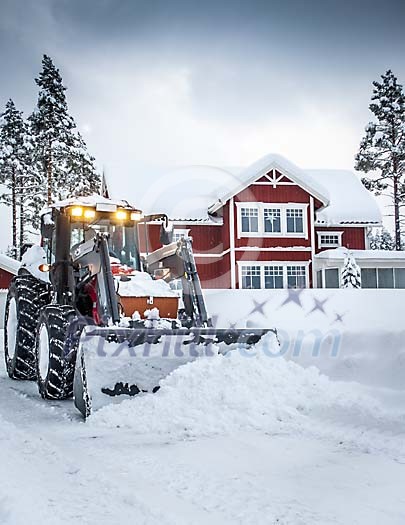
x,y
165,83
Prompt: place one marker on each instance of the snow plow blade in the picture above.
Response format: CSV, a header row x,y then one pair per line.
x,y
114,363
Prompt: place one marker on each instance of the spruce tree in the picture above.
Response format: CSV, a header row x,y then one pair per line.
x,y
16,173
351,274
60,152
382,240
383,147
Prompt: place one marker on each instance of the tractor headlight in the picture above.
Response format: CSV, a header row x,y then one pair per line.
x,y
89,214
77,211
121,215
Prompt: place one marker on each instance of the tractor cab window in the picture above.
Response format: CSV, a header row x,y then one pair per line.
x,y
122,240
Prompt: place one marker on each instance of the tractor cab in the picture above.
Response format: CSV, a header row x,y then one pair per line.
x,y
92,252
83,219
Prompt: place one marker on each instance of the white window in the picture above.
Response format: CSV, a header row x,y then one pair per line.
x,y
179,234
273,276
251,277
383,277
272,220
295,220
296,276
261,219
329,239
250,220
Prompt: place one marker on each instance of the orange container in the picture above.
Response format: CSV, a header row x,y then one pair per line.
x,y
167,306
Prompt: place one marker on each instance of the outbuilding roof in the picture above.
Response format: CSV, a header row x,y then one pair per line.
x,y
9,265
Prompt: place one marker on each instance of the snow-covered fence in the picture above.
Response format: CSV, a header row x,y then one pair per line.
x,y
3,295
348,334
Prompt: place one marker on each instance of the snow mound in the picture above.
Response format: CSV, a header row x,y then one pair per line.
x,y
32,259
240,391
141,284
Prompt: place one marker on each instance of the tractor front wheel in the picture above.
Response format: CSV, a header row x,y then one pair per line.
x,y
55,356
26,296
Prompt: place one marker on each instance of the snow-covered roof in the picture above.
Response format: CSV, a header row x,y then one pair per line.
x,y
280,163
370,255
9,265
194,193
91,200
186,193
350,202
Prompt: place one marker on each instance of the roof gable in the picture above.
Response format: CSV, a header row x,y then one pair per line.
x,y
259,169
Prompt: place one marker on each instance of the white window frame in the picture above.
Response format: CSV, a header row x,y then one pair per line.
x,y
262,264
295,216
298,275
255,215
268,208
278,266
179,233
283,207
332,233
252,276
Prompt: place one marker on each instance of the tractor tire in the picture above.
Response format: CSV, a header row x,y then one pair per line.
x,y
55,356
26,297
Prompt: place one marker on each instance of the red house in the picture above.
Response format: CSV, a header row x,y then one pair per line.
x,y
274,225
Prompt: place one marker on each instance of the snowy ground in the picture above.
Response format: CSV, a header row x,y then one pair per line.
x,y
226,440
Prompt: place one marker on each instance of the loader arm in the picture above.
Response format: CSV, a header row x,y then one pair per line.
x,y
176,261
193,298
94,255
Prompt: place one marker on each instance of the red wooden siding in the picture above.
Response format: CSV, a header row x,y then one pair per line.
x,y
267,193
206,238
5,279
353,237
214,272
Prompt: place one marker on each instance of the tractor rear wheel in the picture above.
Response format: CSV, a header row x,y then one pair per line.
x,y
55,356
26,297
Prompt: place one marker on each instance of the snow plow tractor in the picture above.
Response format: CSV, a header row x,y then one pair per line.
x,y
91,317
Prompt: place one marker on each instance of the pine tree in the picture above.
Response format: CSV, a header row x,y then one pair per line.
x,y
16,172
61,154
382,240
351,274
383,147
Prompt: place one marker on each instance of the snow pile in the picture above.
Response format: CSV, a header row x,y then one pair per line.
x,y
141,284
241,391
32,259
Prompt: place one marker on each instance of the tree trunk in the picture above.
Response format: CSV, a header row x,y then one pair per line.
x,y
14,212
22,229
397,215
49,174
